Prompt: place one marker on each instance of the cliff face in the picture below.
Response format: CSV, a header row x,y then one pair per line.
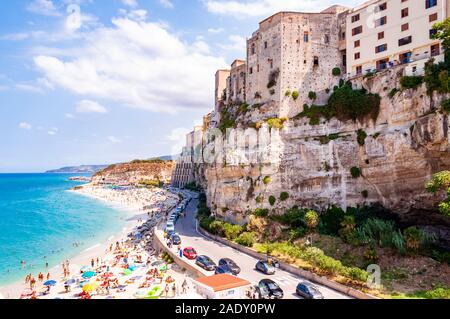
x,y
135,172
405,145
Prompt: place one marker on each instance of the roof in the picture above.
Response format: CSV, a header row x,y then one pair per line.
x,y
223,282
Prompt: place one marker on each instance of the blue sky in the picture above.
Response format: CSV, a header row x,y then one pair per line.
x,y
106,81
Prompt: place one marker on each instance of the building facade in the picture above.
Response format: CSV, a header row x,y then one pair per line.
x,y
236,83
385,33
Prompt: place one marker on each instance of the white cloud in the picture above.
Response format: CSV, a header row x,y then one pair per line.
x,y
259,8
138,64
215,30
114,139
25,126
87,106
166,4
69,115
236,43
29,88
130,3
177,139
44,7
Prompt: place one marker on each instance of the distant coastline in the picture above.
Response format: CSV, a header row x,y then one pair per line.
x,y
89,169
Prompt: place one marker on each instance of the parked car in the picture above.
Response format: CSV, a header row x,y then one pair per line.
x,y
206,263
176,239
308,291
189,253
271,287
224,269
264,267
230,264
169,228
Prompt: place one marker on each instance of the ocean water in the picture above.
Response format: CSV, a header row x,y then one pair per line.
x,y
40,221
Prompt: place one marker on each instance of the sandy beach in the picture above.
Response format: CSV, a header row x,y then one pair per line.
x,y
142,208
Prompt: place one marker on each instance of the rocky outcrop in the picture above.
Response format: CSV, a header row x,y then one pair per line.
x,y
405,145
136,172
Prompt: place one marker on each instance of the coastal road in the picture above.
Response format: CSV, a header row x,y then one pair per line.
x,y
186,228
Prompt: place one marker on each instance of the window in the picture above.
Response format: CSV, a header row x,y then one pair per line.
x,y
355,18
382,7
435,50
357,55
430,3
326,38
381,48
381,21
357,43
359,69
316,61
305,36
257,68
432,33
265,44
253,49
433,17
382,64
250,70
357,30
405,12
405,41
405,26
381,35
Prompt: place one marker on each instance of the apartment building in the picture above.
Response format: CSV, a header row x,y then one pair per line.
x,y
384,33
185,168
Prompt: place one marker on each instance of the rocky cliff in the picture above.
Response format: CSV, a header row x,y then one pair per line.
x,y
405,145
136,172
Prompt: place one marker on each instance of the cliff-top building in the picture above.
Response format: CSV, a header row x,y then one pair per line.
x,y
297,58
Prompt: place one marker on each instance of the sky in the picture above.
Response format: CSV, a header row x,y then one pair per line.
x,y
107,81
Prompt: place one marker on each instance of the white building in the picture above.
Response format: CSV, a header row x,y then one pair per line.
x,y
384,33
222,287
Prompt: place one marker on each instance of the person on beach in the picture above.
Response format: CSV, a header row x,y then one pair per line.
x,y
166,290
174,290
48,276
92,263
184,287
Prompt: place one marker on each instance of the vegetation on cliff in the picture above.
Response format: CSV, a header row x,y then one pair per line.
x,y
441,182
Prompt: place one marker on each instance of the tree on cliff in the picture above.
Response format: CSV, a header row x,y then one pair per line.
x,y
443,33
441,182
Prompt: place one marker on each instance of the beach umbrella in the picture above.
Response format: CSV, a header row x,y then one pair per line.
x,y
155,292
70,282
127,272
90,287
89,274
50,283
132,267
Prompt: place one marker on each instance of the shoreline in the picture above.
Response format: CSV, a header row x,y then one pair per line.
x,y
134,216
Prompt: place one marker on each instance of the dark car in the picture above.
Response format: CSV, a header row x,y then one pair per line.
x,y
224,269
176,239
264,267
230,264
308,291
206,263
270,288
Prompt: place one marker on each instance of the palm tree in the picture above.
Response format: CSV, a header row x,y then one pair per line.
x,y
311,220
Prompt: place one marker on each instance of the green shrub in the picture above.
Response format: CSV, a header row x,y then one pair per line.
x,y
296,233
294,218
411,82
324,140
361,137
312,95
348,103
246,239
356,172
330,221
231,231
260,212
243,108
267,180
272,200
193,187
259,199
287,93
284,196
445,105
295,95
336,71
393,92
217,228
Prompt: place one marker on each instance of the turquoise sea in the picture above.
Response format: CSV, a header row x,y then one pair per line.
x,y
40,221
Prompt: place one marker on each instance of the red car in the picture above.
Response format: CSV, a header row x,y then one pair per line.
x,y
189,253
